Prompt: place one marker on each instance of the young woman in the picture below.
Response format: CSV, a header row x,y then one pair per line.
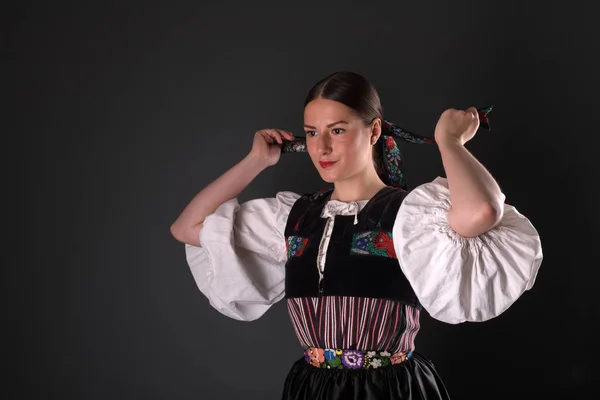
x,y
357,263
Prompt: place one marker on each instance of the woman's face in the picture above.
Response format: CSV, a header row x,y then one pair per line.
x,y
335,134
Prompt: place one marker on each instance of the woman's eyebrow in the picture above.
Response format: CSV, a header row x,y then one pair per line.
x,y
329,125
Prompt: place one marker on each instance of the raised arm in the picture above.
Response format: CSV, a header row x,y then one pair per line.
x,y
266,150
466,253
476,199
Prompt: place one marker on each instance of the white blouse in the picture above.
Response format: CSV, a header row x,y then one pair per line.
x,y
240,267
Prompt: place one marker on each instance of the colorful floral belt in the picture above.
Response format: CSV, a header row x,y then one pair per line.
x,y
352,359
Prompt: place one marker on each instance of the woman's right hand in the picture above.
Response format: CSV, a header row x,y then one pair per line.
x,y
267,143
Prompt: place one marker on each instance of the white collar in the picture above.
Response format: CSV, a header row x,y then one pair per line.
x,y
336,207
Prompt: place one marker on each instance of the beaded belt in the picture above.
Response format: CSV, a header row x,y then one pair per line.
x,y
352,359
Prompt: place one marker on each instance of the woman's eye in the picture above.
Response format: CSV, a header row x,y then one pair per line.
x,y
336,131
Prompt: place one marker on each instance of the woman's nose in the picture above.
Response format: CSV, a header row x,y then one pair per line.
x,y
323,144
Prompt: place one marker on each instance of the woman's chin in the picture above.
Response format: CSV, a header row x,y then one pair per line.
x,y
329,178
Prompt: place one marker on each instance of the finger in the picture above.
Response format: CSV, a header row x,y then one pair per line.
x,y
268,138
277,135
465,114
473,112
288,135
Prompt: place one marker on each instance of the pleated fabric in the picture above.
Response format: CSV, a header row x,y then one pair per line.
x,y
414,379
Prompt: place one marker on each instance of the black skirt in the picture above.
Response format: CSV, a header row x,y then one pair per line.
x,y
414,379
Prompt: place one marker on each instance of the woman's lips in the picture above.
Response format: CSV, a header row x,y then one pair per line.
x,y
326,164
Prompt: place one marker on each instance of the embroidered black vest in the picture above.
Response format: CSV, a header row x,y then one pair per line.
x,y
360,260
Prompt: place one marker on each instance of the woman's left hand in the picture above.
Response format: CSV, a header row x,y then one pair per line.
x,y
457,125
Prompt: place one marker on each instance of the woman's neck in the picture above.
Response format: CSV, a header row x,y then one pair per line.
x,y
356,188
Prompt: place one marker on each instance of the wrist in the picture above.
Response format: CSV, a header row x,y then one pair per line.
x,y
254,162
449,143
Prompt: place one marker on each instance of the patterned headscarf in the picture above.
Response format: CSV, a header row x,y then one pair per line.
x,y
392,158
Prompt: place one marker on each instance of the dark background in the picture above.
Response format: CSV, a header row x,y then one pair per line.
x,y
116,114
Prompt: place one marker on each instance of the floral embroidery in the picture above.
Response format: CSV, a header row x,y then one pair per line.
x,y
295,246
330,354
352,359
315,356
393,161
483,117
373,243
405,134
367,363
297,145
398,358
392,156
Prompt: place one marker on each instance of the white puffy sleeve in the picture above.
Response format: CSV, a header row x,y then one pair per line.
x,y
460,279
240,266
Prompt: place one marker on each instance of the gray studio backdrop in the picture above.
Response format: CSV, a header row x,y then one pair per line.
x,y
127,111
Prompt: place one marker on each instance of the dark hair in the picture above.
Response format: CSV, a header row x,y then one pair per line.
x,y
356,92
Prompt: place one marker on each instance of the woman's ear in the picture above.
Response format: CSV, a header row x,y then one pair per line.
x,y
375,130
